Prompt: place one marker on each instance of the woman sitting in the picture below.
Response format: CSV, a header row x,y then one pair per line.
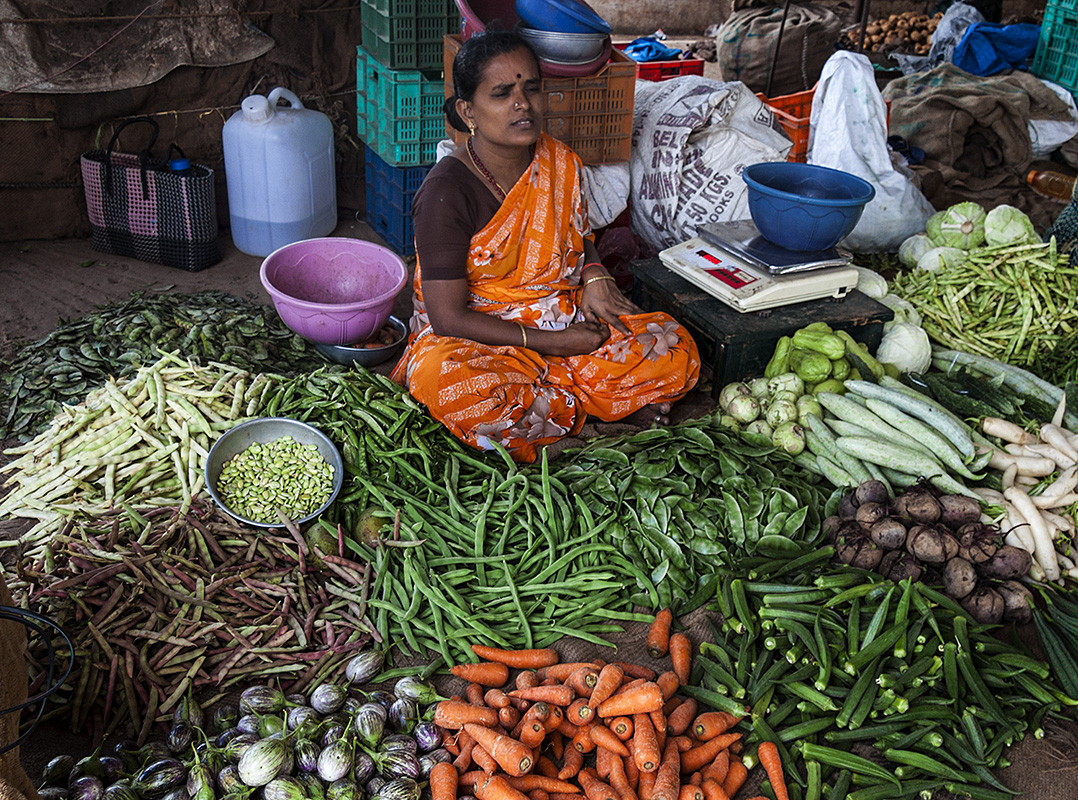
x,y
518,333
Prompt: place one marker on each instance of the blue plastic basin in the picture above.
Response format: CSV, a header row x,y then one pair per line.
x,y
803,206
564,16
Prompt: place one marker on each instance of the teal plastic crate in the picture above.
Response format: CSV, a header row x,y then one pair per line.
x,y
399,113
1056,58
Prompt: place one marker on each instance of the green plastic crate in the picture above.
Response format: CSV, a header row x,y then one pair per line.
x,y
1056,58
399,113
403,55
407,34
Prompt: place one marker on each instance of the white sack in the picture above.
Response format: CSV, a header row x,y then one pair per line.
x,y
606,188
692,137
848,131
1047,135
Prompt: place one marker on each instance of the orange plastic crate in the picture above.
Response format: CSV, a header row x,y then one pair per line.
x,y
593,115
793,112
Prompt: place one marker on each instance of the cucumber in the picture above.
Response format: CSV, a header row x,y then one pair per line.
x,y
956,433
850,411
912,462
822,442
961,404
1021,381
987,390
843,428
929,439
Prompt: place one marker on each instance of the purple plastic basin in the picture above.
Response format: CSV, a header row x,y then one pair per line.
x,y
333,290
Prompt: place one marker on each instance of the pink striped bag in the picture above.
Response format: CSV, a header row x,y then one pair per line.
x,y
140,207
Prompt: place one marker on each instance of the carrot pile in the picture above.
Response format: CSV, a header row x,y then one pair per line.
x,y
589,730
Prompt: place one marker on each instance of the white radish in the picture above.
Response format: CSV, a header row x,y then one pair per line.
x,y
1061,410
989,495
1055,436
1063,501
1061,459
1015,539
1007,431
1044,551
1036,574
1065,563
1026,480
1009,474
1037,466
1061,521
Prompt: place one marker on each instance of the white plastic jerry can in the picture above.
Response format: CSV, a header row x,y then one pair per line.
x,y
280,173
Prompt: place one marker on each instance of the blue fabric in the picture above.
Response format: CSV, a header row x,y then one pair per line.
x,y
647,48
988,47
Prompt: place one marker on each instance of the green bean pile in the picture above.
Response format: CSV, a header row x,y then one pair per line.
x,y
691,497
830,662
518,556
119,338
1015,304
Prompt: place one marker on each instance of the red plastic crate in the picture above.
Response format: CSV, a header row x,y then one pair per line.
x,y
665,70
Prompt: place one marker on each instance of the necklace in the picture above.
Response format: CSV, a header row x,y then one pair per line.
x,y
484,171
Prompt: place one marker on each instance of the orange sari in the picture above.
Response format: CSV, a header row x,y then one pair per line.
x,y
525,266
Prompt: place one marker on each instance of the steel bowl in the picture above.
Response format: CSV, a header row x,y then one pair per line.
x,y
367,356
565,48
269,429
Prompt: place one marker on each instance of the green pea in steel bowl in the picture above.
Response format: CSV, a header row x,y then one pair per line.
x,y
278,487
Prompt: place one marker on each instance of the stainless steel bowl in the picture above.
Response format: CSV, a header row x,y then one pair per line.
x,y
565,48
269,429
367,356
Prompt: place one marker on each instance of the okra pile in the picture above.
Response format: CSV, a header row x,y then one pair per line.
x,y
830,662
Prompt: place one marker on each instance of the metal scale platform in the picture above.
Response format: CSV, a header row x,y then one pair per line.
x,y
735,264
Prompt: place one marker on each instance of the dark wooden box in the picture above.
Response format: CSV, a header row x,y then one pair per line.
x,y
735,346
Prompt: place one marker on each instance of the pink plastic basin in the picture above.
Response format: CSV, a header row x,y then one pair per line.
x,y
333,290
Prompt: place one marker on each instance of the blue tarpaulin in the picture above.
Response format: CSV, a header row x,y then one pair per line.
x,y
988,47
648,48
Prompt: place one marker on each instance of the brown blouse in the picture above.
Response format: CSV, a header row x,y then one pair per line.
x,y
450,207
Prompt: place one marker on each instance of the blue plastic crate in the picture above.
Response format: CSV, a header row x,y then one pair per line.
x,y
390,191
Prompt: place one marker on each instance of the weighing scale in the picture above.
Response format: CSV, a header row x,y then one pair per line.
x,y
732,262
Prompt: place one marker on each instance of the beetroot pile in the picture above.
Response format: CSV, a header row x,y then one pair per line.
x,y
925,535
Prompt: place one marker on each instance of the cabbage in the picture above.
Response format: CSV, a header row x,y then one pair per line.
x,y
870,282
939,257
961,226
911,250
904,311
1007,225
907,347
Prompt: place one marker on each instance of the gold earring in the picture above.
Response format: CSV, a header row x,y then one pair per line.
x,y
471,129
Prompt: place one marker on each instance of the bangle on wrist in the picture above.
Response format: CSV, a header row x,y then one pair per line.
x,y
523,335
599,278
591,264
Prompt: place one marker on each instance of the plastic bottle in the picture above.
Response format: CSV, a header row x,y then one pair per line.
x,y
280,173
1051,184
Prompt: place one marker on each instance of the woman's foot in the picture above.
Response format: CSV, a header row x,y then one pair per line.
x,y
653,414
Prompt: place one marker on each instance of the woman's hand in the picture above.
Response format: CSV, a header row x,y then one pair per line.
x,y
578,339
602,301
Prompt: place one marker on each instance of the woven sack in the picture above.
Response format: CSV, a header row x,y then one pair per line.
x,y
139,207
746,43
